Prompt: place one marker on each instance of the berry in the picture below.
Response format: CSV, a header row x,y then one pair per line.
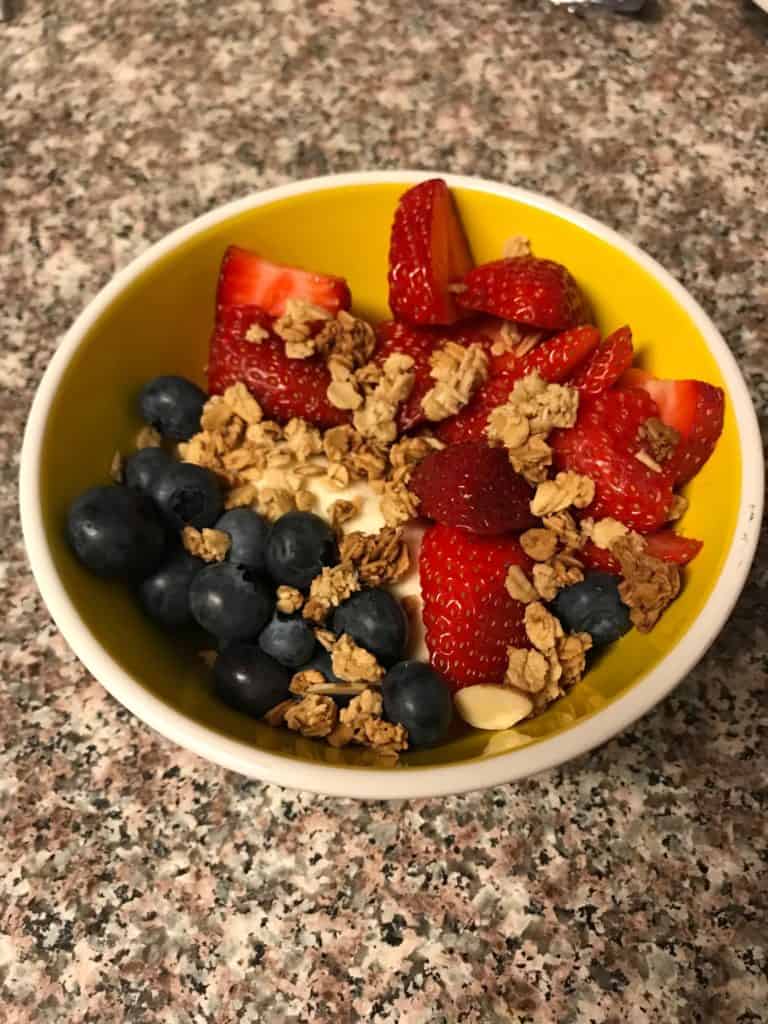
x,y
247,279
531,291
556,358
470,423
428,252
299,545
624,488
376,621
474,487
164,595
593,606
283,387
469,617
116,532
249,680
173,405
416,697
671,547
605,365
601,559
230,602
143,468
188,495
621,412
288,639
248,533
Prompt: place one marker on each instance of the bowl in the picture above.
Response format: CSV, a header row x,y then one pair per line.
x,y
155,317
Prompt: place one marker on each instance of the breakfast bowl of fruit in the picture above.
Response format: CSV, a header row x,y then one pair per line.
x,y
391,485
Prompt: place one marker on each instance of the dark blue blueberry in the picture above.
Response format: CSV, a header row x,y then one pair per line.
x,y
188,495
173,406
116,532
249,680
376,621
230,602
164,595
289,639
417,697
143,468
593,606
248,532
299,545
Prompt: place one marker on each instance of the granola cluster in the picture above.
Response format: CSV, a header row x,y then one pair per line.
x,y
458,371
554,663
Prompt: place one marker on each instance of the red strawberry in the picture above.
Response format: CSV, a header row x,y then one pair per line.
x,y
620,412
470,423
666,545
696,411
428,251
624,488
606,364
284,387
247,279
601,559
557,358
469,617
528,290
473,487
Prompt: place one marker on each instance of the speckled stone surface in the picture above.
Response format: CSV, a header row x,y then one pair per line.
x,y
139,883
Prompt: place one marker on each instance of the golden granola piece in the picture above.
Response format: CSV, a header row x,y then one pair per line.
x,y
256,334
210,545
343,394
325,638
519,586
289,600
274,502
385,737
409,451
305,500
649,462
542,627
116,468
539,544
458,371
264,434
342,511
302,682
379,558
398,504
397,378
148,437
649,585
603,532
338,442
508,426
295,327
313,715
329,589
571,653
563,525
347,339
368,462
242,403
566,490
337,476
529,670
659,439
516,246
244,496
276,715
301,439
544,405
532,459
560,571
361,708
678,508
215,416
353,664
376,419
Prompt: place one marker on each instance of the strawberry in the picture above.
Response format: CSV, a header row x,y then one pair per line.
x,y
606,364
624,488
621,412
666,545
474,487
601,559
428,252
470,423
247,279
284,387
469,617
558,357
696,411
531,291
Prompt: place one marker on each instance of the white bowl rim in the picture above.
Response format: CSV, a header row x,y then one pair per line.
x,y
416,782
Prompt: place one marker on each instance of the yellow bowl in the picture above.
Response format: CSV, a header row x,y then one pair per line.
x,y
155,317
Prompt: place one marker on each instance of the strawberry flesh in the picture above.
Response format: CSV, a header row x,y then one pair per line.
x,y
473,487
247,279
557,358
605,365
666,545
621,412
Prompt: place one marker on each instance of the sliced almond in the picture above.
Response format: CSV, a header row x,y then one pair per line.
x,y
338,689
485,706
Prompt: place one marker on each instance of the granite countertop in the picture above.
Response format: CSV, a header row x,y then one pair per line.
x,y
139,883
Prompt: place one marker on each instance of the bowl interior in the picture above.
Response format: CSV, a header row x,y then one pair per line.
x,y
160,324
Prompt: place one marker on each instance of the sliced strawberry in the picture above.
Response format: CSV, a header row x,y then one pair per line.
x,y
284,387
666,545
606,364
624,488
469,617
601,559
634,377
428,252
531,291
557,358
470,423
247,279
474,487
696,411
621,412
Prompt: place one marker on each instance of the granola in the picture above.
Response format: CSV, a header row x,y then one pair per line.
x,y
542,627
398,503
148,437
379,558
516,246
519,586
274,502
539,543
342,511
295,327
289,600
560,571
563,525
649,584
603,532
301,439
256,334
329,589
566,490
313,715
659,439
353,664
276,715
458,371
210,545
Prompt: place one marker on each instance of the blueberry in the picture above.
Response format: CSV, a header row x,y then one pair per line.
x,y
188,494
321,662
419,698
288,639
248,533
249,680
164,595
116,532
376,621
298,546
173,406
230,602
593,606
143,468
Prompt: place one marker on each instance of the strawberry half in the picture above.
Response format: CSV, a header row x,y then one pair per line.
x,y
428,252
470,423
621,412
606,364
284,387
473,487
624,488
666,545
469,617
528,290
247,279
557,358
